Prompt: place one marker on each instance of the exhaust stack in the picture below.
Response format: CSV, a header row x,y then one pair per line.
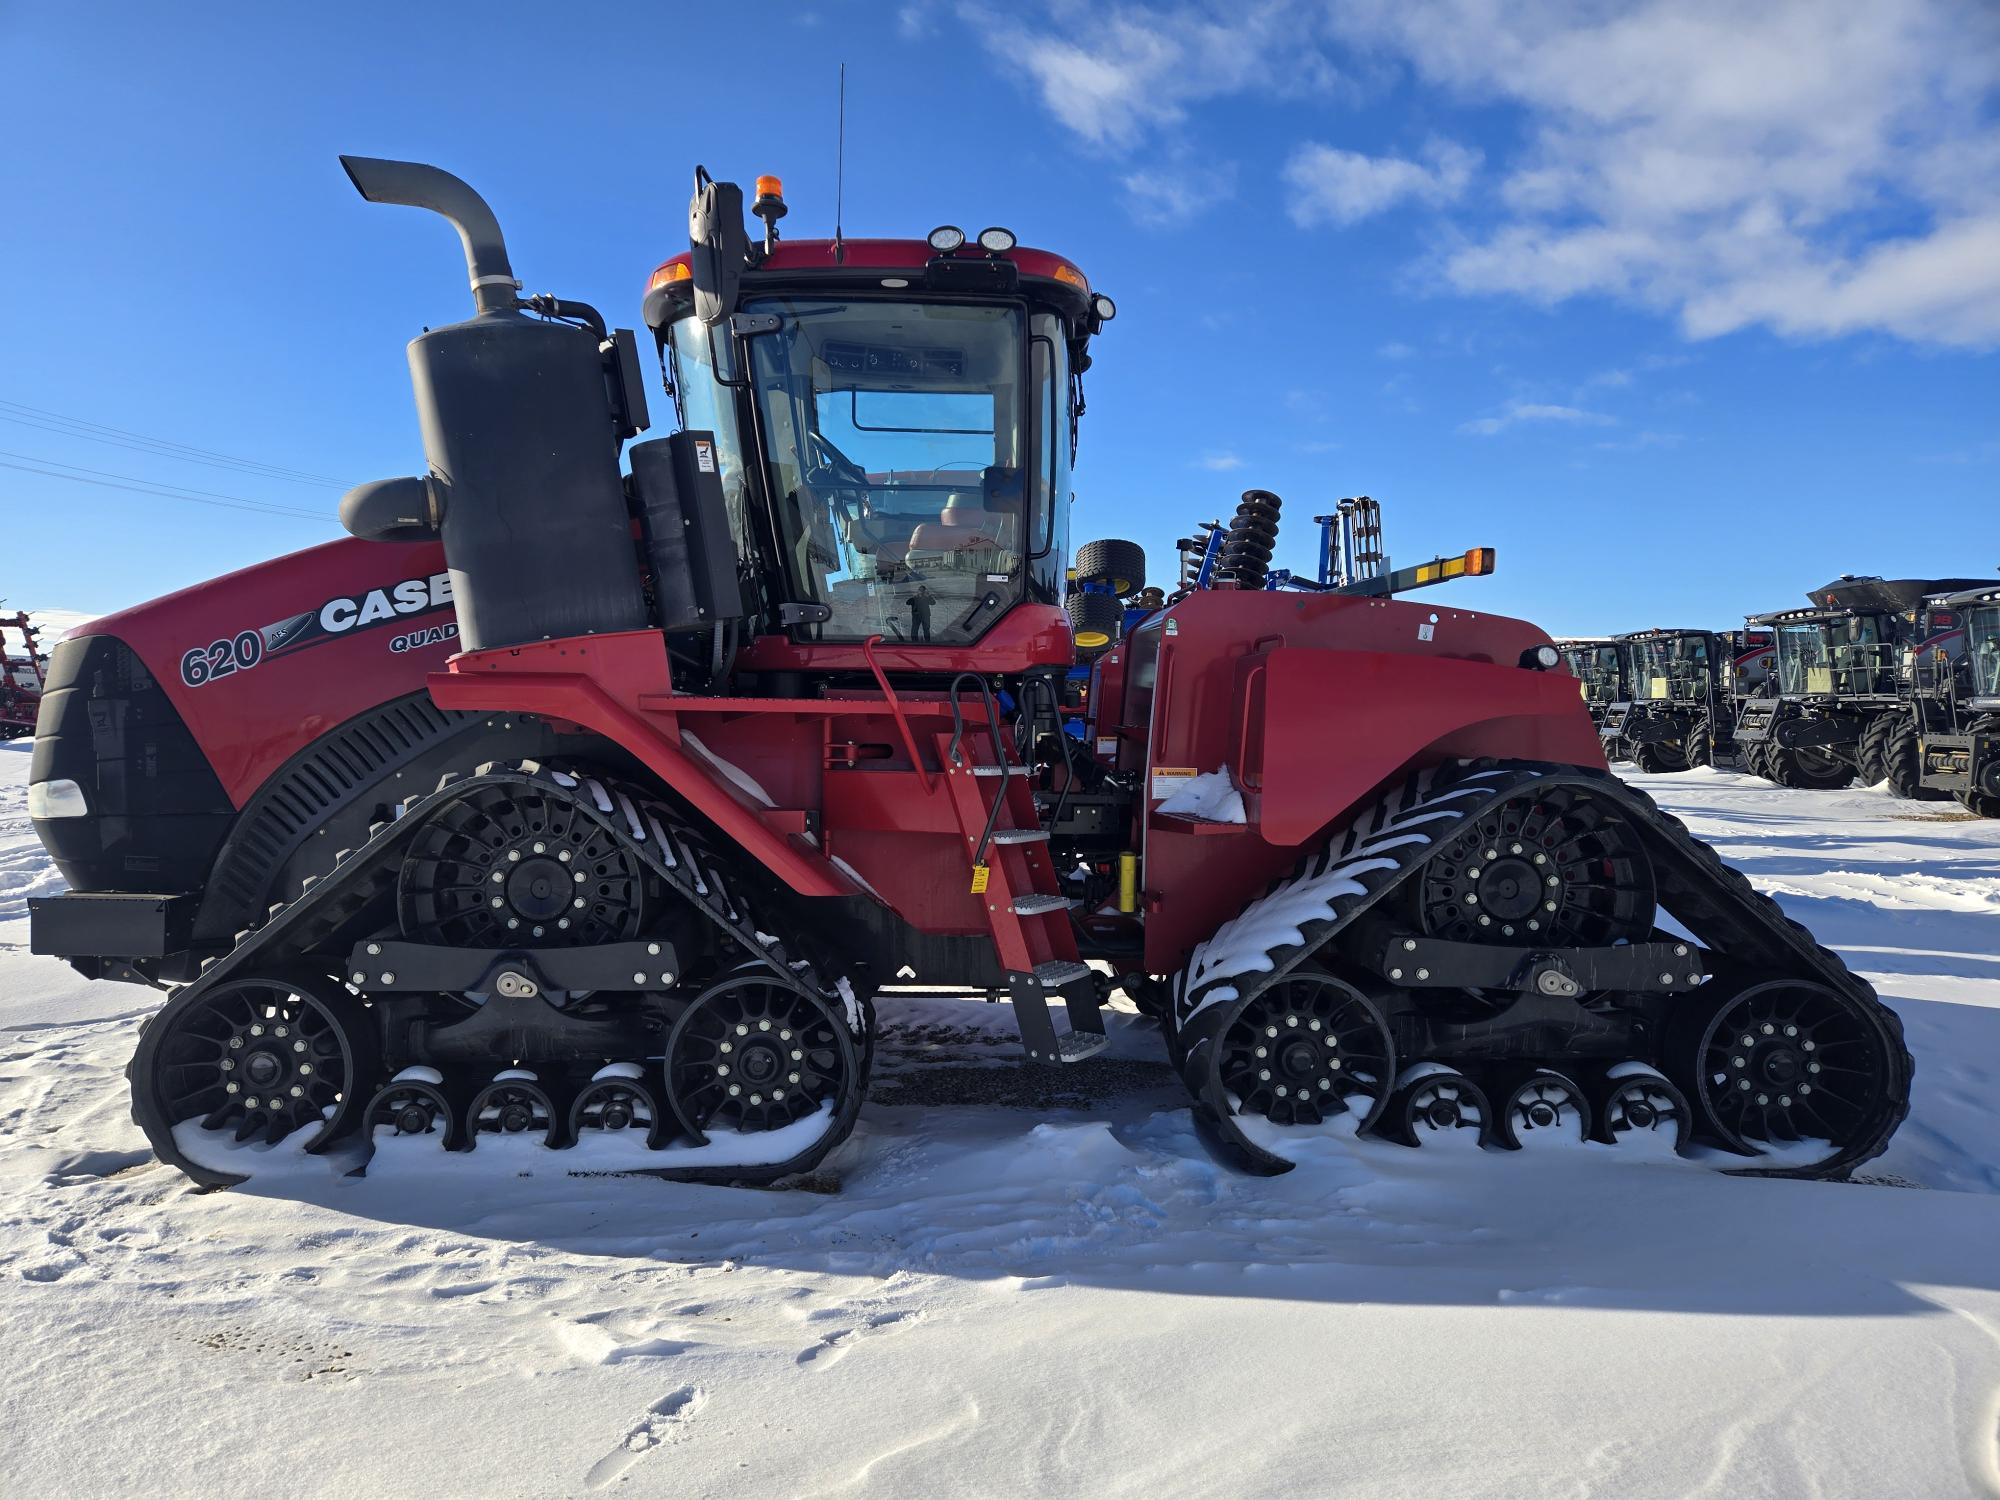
x,y
415,185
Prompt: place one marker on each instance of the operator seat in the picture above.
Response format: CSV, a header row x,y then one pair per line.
x,y
966,537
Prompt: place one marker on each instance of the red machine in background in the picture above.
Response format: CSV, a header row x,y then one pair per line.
x,y
736,739
20,675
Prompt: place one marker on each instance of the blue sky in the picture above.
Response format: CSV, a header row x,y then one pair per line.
x,y
1684,307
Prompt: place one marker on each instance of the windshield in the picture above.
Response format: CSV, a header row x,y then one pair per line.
x,y
1851,656
897,438
1668,667
1596,667
1982,649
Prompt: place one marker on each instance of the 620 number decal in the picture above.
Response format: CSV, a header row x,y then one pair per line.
x,y
220,659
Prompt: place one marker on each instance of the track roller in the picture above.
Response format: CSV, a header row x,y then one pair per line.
x,y
618,1101
514,1103
1545,1108
413,1103
1637,1106
1434,1104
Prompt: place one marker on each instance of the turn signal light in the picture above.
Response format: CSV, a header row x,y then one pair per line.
x,y
667,275
1476,563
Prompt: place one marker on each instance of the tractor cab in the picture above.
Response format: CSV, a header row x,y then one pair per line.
x,y
1594,662
1980,620
893,421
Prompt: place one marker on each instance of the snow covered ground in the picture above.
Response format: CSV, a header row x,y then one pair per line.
x,y
1021,1290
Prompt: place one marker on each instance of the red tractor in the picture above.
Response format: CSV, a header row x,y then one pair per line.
x,y
596,807
20,676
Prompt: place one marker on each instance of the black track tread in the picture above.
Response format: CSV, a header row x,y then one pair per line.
x,y
1756,919
295,930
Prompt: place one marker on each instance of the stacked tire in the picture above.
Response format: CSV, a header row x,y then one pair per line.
x,y
1106,573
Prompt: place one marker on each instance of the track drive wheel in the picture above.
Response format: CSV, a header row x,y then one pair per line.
x,y
252,1060
1794,1070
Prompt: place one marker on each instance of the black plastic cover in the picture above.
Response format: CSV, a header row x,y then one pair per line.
x,y
88,924
1894,594
685,520
157,811
524,458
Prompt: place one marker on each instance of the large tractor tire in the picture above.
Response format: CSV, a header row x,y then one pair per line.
x,y
1093,621
1120,566
1972,799
1659,756
1903,760
1869,753
1700,744
1807,769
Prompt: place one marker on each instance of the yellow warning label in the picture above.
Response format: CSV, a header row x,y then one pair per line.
x,y
979,877
1170,779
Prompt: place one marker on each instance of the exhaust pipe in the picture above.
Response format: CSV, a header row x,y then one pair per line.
x,y
416,185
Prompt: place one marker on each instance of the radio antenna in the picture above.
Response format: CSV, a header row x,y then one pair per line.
x,y
840,171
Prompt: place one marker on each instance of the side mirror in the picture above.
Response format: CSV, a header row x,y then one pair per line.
x,y
393,510
718,245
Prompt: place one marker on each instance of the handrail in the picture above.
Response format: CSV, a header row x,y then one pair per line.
x,y
895,709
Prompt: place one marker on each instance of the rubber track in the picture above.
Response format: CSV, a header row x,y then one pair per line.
x,y
363,876
1724,911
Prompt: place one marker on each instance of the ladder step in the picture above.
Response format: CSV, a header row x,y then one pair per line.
x,y
1075,1046
1035,906
996,770
1061,971
1020,835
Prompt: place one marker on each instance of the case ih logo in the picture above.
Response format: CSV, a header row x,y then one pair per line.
x,y
337,617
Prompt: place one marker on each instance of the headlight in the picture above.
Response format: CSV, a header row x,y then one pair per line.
x,y
1104,307
1541,658
946,238
57,799
996,241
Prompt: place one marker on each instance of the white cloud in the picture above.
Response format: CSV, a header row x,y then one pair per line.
x,y
1396,349
1177,191
913,22
1117,73
1815,167
1533,411
1221,463
1330,185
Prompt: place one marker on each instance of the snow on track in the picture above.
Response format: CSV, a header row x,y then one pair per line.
x,y
1035,1287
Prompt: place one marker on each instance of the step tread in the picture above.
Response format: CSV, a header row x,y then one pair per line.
x,y
1036,905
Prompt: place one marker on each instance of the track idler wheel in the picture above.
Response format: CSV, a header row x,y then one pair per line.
x,y
413,1104
1304,1050
1636,1106
1545,1108
1434,1104
513,1104
758,1052
249,1062
619,1102
1796,1071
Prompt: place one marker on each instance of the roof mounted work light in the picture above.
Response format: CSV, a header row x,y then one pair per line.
x,y
1104,307
945,238
997,241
